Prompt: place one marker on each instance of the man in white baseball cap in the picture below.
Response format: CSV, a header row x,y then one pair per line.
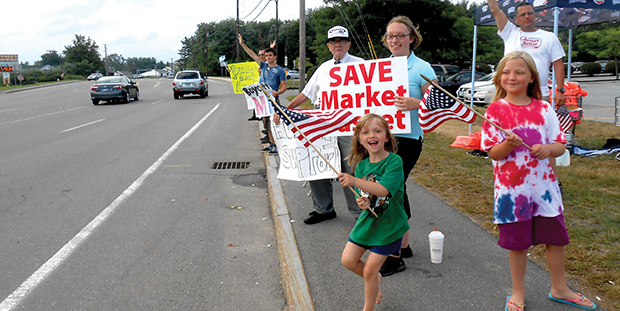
x,y
337,32
322,190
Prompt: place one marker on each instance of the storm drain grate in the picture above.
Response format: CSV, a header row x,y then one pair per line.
x,y
230,165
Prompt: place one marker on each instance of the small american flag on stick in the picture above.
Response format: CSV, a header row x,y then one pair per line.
x,y
437,107
315,123
566,120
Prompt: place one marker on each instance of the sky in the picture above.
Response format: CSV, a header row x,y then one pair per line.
x,y
136,28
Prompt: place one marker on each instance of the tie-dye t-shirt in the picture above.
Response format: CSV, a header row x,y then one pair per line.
x,y
524,186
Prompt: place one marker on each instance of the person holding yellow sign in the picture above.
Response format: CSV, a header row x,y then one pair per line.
x,y
271,74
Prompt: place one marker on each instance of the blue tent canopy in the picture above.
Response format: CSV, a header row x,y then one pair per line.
x,y
572,13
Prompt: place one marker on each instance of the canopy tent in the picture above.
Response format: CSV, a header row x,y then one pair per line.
x,y
550,13
572,13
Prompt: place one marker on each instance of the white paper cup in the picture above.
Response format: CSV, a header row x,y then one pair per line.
x,y
435,239
564,159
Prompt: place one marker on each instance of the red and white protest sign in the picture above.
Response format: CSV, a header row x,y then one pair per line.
x,y
366,87
257,100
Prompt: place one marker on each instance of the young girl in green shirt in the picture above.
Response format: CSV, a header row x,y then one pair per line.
x,y
379,178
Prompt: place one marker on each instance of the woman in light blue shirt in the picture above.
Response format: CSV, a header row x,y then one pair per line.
x,y
401,37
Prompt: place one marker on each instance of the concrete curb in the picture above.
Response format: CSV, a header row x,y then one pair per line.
x,y
294,282
26,88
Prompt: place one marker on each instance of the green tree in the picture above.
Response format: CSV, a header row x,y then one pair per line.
x,y
116,62
84,54
51,58
140,64
446,28
604,44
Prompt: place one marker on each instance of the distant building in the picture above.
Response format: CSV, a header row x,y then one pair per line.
x,y
151,73
47,67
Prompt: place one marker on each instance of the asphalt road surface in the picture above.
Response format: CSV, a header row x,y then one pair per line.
x,y
116,206
599,105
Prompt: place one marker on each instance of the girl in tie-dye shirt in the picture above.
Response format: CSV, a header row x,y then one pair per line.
x,y
528,205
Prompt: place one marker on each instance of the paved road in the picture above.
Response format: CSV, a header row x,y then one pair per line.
x,y
599,105
125,196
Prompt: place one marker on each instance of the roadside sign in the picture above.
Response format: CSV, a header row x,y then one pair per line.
x,y
12,58
6,77
222,58
6,68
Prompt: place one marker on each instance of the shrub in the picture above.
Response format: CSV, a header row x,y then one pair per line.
x,y
611,67
46,78
591,69
74,77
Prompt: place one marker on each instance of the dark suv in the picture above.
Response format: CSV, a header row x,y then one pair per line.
x,y
190,82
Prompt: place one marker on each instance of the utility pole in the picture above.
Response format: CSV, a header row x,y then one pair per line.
x,y
237,24
277,25
302,45
105,48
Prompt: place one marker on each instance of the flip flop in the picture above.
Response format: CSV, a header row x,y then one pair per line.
x,y
572,302
519,307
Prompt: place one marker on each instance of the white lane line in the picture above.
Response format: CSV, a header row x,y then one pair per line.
x,y
9,109
79,126
156,102
43,115
51,264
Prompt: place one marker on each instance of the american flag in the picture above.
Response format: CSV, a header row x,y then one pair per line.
x,y
437,107
566,121
315,123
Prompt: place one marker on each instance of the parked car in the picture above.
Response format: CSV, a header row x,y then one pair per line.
x,y
603,63
292,74
114,88
483,94
452,83
576,66
443,71
189,82
94,76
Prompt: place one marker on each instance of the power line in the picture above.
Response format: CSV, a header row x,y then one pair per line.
x,y
261,1
261,12
355,36
224,37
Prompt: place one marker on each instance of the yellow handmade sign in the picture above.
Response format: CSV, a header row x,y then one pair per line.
x,y
243,74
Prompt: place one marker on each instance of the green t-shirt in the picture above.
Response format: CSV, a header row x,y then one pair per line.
x,y
392,221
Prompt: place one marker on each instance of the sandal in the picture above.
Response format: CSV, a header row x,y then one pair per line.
x,y
572,302
519,307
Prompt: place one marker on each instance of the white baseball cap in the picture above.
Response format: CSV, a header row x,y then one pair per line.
x,y
337,32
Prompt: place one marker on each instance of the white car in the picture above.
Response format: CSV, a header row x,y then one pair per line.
x,y
292,74
484,92
190,82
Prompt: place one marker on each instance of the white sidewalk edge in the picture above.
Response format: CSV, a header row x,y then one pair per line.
x,y
294,281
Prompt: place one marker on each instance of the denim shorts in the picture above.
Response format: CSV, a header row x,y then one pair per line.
x,y
390,249
538,230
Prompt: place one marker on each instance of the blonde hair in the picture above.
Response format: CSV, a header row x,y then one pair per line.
x,y
358,152
414,33
533,89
